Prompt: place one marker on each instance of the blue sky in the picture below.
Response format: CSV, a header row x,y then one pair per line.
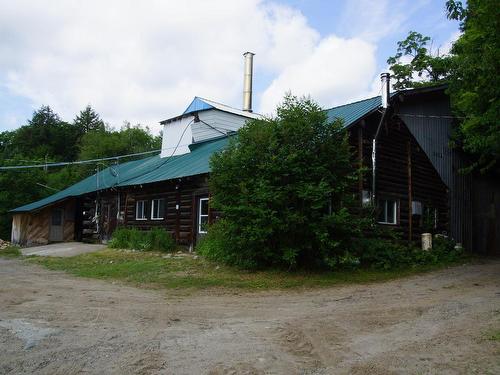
x,y
144,61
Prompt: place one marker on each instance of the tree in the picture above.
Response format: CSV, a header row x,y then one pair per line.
x,y
46,136
128,140
89,120
282,185
474,83
471,72
422,68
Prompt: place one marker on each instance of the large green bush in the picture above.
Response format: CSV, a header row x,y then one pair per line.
x,y
283,185
153,240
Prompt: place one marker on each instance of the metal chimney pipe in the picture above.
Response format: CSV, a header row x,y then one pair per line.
x,y
247,81
386,83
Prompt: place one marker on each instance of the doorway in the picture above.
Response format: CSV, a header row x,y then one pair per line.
x,y
56,225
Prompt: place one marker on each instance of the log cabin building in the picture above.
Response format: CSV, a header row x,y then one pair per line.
x,y
415,179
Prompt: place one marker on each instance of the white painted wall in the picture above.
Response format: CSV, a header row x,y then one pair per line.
x,y
172,132
223,121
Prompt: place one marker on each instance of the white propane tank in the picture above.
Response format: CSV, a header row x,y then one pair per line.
x,y
426,241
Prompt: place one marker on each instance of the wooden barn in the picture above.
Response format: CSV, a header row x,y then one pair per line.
x,y
415,179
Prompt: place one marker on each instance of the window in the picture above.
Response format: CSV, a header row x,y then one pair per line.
x,y
388,213
203,215
140,210
157,209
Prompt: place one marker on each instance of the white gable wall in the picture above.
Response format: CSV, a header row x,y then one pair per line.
x,y
172,133
224,122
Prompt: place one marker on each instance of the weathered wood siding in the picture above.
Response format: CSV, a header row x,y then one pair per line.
x,y
35,227
428,116
404,173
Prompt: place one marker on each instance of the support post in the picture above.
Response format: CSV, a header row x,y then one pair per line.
x,y
410,194
360,160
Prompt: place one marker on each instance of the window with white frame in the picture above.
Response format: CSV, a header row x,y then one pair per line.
x,y
157,209
203,215
388,211
140,210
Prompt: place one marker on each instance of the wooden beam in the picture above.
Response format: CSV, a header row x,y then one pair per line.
x,y
410,194
178,213
360,160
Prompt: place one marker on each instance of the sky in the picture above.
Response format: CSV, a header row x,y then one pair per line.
x,y
144,61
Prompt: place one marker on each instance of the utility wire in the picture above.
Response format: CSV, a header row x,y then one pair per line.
x,y
430,116
167,159
89,161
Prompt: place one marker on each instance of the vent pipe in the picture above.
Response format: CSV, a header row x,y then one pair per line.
x,y
247,82
386,80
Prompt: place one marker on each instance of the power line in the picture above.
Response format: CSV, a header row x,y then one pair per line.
x,y
168,158
430,116
89,161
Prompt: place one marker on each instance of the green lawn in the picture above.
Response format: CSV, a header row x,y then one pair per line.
x,y
10,252
154,271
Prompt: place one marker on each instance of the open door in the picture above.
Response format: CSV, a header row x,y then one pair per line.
x,y
56,225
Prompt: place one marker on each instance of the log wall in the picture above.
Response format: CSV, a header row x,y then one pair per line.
x,y
403,173
180,206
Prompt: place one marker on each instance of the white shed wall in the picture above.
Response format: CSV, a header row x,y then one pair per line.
x,y
223,123
172,132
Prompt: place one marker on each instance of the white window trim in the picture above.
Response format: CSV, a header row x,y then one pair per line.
x,y
144,202
153,211
395,205
200,215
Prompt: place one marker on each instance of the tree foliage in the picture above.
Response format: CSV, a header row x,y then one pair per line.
x,y
413,65
283,187
108,142
89,120
471,72
47,138
474,83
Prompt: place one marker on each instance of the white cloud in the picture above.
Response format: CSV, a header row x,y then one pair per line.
x,y
445,48
373,20
144,61
337,70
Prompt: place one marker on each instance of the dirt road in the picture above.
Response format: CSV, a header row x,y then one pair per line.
x,y
437,323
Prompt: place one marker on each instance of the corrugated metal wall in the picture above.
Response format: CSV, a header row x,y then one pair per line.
x,y
427,117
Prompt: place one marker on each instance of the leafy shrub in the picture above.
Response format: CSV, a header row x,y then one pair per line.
x,y
390,254
283,185
131,238
120,239
382,253
160,240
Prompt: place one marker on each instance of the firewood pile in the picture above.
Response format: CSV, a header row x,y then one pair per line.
x,y
4,244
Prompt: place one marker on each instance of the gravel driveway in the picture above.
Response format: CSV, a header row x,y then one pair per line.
x,y
437,323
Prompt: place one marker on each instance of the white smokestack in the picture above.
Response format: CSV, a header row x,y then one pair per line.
x,y
386,83
247,82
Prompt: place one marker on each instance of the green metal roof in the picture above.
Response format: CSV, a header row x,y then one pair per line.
x,y
137,172
155,169
352,112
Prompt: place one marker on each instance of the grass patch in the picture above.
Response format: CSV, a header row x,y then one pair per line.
x,y
11,252
156,271
495,336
